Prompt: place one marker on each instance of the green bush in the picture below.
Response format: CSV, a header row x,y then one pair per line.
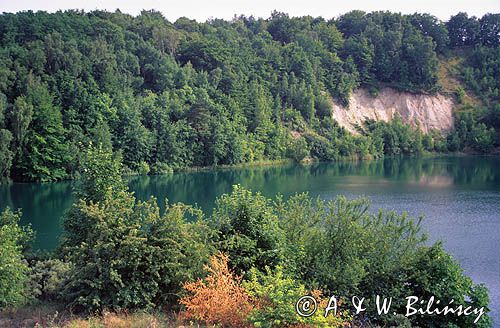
x,y
143,168
14,271
459,94
396,136
124,254
161,168
341,247
482,138
48,278
276,296
374,91
319,146
323,107
433,272
133,257
471,133
298,149
247,230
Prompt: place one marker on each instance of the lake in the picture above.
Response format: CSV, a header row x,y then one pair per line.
x,y
459,197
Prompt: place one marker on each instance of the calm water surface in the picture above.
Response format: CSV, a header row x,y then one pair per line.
x,y
459,197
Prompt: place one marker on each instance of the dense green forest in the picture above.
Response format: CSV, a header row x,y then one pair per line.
x,y
168,96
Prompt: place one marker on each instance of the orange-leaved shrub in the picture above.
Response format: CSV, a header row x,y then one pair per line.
x,y
218,299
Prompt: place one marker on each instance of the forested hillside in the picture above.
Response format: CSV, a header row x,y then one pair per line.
x,y
168,96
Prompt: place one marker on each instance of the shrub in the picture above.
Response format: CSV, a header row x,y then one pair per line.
x,y
374,91
219,298
14,271
161,168
298,149
294,120
276,295
133,257
124,254
470,133
247,230
48,278
320,148
143,168
396,136
459,94
323,107
101,173
482,138
340,247
435,273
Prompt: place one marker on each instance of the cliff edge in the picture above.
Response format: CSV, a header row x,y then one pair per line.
x,y
430,112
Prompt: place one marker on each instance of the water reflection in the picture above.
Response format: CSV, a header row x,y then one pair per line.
x,y
203,187
44,204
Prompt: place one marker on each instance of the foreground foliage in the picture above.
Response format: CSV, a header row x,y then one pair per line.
x,y
276,294
126,255
14,271
218,299
121,254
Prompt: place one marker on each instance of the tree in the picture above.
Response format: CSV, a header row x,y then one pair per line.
x,y
430,26
6,154
166,39
463,30
20,118
329,35
260,110
489,30
352,23
43,156
135,140
362,52
418,53
170,96
299,149
281,27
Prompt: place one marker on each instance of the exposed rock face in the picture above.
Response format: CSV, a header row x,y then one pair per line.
x,y
430,112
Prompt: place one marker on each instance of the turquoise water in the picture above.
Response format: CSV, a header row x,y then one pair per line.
x,y
459,197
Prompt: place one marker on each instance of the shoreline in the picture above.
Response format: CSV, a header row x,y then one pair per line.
x,y
278,162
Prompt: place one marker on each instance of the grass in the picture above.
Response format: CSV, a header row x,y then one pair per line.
x,y
449,79
49,316
55,316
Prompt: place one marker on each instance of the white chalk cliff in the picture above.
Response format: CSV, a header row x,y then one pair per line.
x,y
430,112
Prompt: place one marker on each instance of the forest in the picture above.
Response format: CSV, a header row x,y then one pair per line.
x,y
167,96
